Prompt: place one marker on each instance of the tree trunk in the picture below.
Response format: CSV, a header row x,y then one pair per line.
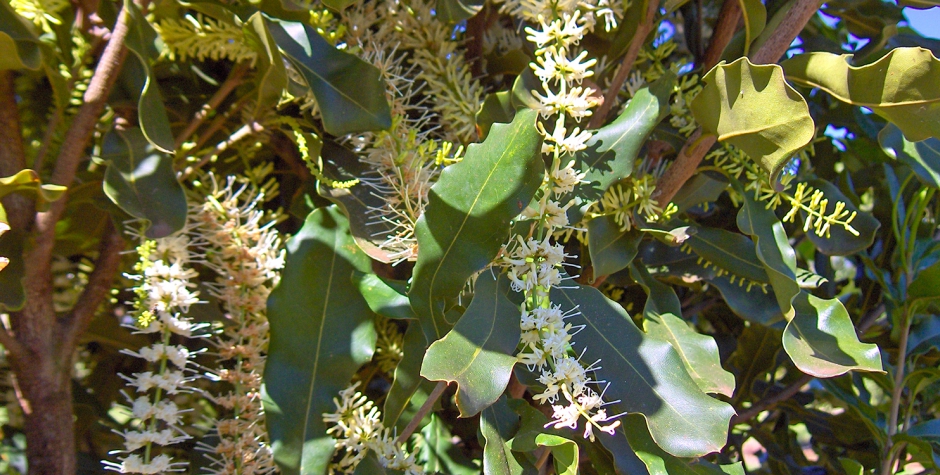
x,y
50,439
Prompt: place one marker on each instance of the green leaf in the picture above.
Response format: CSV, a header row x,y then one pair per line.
x,y
453,11
350,91
438,452
901,86
732,252
478,353
926,284
338,5
754,357
496,108
699,353
610,153
752,107
321,332
370,465
272,75
533,434
635,452
755,19
406,379
701,188
384,297
821,339
841,242
141,181
498,424
644,376
20,44
612,249
151,111
923,157
28,182
468,215
772,248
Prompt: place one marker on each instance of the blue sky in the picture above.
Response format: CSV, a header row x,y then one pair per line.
x,y
926,22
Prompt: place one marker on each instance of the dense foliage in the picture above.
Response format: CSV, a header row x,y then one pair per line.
x,y
516,237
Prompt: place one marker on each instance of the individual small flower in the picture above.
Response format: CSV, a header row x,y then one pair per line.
x,y
559,140
565,179
575,102
554,66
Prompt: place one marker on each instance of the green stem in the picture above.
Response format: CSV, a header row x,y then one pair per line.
x,y
897,391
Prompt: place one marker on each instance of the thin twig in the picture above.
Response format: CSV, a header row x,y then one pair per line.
x,y
728,19
542,459
769,403
423,411
623,72
240,134
234,80
897,391
697,146
218,122
106,269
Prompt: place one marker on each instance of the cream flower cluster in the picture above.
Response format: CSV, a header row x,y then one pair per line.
x,y
357,428
164,294
534,265
244,250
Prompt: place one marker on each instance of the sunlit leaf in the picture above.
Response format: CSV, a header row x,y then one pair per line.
x,y
753,108
901,86
20,44
151,112
923,157
321,332
384,297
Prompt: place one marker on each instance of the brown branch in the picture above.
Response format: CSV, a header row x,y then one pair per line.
x,y
234,80
97,289
242,133
14,349
697,146
623,72
771,402
423,411
19,209
725,28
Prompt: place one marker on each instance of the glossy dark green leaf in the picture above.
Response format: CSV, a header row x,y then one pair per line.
x,y
384,297
637,454
453,11
521,95
141,181
477,353
732,252
701,188
468,214
841,242
498,424
821,339
610,153
370,465
151,112
20,44
923,157
753,108
644,376
272,75
496,108
438,453
926,284
772,248
754,303
350,92
407,379
321,332
754,357
900,86
612,249
699,353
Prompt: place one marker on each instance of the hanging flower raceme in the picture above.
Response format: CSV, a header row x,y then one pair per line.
x,y
165,291
244,250
357,428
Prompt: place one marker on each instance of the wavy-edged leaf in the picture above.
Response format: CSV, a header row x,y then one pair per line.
x,y
19,43
468,215
732,252
151,112
388,298
645,376
923,157
350,91
477,353
821,339
900,86
841,242
272,74
612,249
753,108
141,181
496,108
321,332
699,353
611,151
